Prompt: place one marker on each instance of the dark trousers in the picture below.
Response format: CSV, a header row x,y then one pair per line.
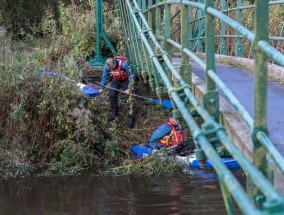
x,y
113,95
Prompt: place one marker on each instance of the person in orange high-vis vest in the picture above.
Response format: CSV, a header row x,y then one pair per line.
x,y
117,70
166,135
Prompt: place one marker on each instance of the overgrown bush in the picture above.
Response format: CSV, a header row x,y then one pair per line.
x,y
48,126
157,164
26,16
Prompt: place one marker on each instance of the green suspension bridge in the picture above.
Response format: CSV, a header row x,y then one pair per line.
x,y
181,62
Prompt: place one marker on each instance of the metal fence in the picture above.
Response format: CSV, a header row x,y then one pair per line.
x,y
148,29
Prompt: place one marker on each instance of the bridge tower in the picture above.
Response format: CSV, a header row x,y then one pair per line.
x,y
98,61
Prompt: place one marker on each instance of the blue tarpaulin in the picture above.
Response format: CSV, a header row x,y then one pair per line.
x,y
142,151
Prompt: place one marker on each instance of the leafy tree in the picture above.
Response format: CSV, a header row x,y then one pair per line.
x,y
24,16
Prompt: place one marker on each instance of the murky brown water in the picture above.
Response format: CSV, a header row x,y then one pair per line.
x,y
83,195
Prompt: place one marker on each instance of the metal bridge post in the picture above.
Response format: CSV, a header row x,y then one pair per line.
x,y
147,66
167,34
142,55
200,28
167,48
223,45
134,41
98,60
126,35
185,69
158,20
150,14
190,32
211,97
150,23
260,95
158,80
140,6
139,66
129,38
239,45
143,6
141,58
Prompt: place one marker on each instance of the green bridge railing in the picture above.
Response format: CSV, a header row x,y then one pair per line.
x,y
148,35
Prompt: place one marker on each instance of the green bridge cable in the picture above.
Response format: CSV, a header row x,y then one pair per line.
x,y
273,202
278,57
204,113
270,51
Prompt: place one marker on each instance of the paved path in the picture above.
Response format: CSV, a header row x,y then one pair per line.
x,y
240,82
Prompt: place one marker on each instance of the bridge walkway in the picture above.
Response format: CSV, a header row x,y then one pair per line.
x,y
240,82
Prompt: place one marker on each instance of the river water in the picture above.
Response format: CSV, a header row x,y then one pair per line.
x,y
197,193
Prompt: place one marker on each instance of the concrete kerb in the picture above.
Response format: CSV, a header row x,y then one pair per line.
x,y
236,128
274,71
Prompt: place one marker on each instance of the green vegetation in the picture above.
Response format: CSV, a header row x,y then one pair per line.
x,y
157,164
47,126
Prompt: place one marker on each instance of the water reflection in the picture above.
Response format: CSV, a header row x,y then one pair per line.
x,y
81,195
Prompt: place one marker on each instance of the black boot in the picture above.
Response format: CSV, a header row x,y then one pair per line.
x,y
131,121
112,116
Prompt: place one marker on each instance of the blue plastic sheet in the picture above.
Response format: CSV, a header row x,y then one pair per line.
x,y
90,91
141,150
231,163
165,103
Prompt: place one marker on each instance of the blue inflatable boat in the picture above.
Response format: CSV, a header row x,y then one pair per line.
x,y
143,151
